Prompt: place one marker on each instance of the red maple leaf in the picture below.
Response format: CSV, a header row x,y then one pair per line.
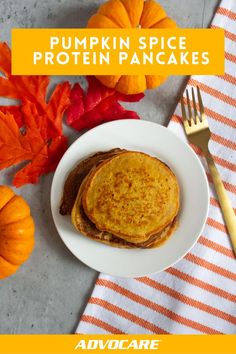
x,y
100,104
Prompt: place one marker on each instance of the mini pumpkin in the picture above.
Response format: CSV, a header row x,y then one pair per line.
x,y
16,232
131,14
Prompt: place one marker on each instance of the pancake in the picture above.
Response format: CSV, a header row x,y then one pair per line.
x,y
86,227
132,196
77,175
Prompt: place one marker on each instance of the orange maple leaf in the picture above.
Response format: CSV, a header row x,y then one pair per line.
x,y
32,130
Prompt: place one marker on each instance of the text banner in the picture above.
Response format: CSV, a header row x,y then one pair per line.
x,y
66,344
117,51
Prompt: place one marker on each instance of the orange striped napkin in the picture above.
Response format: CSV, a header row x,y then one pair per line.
x,y
198,294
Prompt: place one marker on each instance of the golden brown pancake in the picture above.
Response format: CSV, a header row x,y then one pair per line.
x,y
76,181
132,196
77,175
86,227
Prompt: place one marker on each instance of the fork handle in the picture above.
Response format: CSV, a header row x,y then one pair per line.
x,y
226,206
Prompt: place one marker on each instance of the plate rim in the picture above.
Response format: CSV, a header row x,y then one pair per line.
x,y
145,122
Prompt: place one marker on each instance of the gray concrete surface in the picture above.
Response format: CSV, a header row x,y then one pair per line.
x,y
49,292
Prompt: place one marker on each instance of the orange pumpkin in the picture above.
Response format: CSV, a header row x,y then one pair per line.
x,y
131,14
16,232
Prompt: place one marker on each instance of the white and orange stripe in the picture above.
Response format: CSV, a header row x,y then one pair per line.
x,y
198,294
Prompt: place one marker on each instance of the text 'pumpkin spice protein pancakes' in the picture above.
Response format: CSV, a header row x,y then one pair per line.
x,y
125,199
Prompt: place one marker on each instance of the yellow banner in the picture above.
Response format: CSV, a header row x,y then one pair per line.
x,y
66,344
117,51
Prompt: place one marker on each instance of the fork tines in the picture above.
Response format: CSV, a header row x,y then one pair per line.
x,y
196,113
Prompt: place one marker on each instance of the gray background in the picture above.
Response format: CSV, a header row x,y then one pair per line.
x,y
49,292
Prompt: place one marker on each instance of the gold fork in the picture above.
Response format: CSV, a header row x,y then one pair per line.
x,y
198,133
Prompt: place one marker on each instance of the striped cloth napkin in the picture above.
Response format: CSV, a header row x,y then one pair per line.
x,y
198,294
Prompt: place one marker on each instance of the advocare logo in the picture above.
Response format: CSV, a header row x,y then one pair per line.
x,y
118,344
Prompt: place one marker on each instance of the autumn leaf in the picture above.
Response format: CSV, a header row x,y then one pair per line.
x,y
41,156
31,131
100,104
33,89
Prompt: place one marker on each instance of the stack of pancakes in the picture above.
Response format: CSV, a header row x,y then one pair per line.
x,y
123,198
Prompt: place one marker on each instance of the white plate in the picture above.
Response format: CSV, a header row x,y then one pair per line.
x,y
155,140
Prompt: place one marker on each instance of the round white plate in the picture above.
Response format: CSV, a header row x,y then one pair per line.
x,y
155,140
